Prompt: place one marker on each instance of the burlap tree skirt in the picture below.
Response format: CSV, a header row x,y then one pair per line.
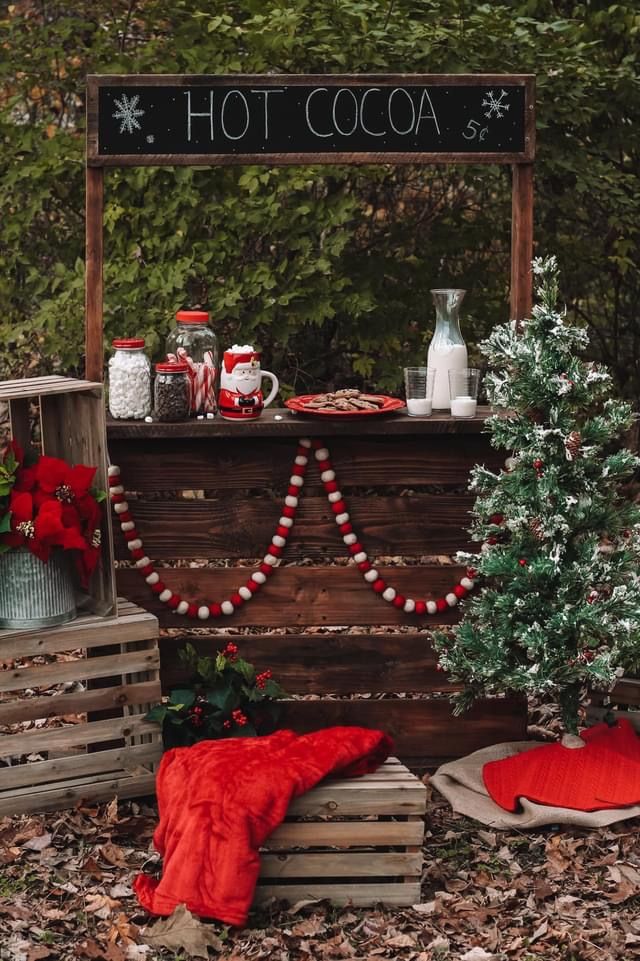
x,y
460,782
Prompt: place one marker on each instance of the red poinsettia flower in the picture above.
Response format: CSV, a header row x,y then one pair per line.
x,y
56,478
41,529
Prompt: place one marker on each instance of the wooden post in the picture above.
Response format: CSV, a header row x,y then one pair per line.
x,y
93,274
521,240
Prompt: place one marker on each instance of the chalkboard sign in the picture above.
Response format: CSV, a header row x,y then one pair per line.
x,y
289,119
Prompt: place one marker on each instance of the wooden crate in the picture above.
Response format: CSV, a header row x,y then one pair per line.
x,y
355,841
623,701
89,760
72,426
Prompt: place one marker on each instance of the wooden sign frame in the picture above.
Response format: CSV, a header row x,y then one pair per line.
x,y
521,162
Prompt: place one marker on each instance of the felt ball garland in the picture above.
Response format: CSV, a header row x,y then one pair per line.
x,y
275,549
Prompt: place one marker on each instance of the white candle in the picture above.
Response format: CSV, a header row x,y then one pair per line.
x,y
463,406
417,406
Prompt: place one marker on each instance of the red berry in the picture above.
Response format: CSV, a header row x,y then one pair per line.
x,y
158,588
346,528
379,586
339,507
460,591
496,519
492,540
289,512
538,464
226,724
173,601
421,607
364,566
472,573
398,601
330,487
522,562
192,611
215,610
441,605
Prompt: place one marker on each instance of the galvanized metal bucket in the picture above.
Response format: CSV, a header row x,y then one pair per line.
x,y
34,594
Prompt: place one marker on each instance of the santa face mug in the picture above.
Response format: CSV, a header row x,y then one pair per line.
x,y
240,396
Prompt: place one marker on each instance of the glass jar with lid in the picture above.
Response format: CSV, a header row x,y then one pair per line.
x,y
193,342
171,391
129,379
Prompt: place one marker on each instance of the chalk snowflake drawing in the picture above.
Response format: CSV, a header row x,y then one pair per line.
x,y
497,104
128,113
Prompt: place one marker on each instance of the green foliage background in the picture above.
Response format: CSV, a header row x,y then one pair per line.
x,y
327,268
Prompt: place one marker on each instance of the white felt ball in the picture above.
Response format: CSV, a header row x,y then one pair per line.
x,y
511,463
270,559
327,475
245,593
291,501
227,607
204,613
451,600
165,595
334,497
342,518
432,607
296,481
349,539
118,489
371,575
305,442
152,578
389,593
278,541
322,454
360,557
182,607
121,507
286,522
409,605
467,583
135,545
259,577
127,526
113,471
301,460
143,562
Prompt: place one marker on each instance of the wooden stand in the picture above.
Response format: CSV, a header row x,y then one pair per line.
x,y
80,759
355,841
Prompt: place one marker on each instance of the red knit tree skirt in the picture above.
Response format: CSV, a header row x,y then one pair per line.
x,y
605,773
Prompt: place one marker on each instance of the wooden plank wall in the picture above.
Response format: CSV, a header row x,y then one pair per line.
x,y
406,496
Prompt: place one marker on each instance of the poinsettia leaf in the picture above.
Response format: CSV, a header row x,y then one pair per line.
x,y
98,495
5,523
182,696
157,713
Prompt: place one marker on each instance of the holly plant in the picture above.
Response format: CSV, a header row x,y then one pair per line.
x,y
225,697
559,607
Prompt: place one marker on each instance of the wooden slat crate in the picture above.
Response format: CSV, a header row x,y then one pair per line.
x,y
81,758
623,701
355,841
72,426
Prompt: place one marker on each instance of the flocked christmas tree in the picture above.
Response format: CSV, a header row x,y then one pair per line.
x,y
559,605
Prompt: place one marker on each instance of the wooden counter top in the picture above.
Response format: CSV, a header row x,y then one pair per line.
x,y
280,422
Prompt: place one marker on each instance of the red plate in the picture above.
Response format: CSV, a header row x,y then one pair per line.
x,y
297,404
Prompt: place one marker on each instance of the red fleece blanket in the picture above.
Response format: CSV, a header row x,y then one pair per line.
x,y
220,800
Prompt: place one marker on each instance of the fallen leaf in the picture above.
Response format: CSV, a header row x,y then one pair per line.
x,y
101,905
477,954
299,905
38,951
181,931
400,941
112,854
309,927
38,843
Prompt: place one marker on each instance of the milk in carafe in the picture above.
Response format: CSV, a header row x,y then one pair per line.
x,y
447,350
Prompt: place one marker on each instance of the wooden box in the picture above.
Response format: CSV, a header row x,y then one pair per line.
x,y
53,753
71,426
623,701
356,841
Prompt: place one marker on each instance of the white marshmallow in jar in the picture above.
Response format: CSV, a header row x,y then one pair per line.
x,y
129,379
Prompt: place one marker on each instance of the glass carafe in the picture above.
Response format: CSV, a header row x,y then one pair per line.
x,y
447,350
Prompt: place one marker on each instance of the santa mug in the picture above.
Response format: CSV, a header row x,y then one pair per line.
x,y
240,396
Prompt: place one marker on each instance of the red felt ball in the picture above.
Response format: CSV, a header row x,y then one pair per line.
x,y
237,600
145,571
330,486
421,607
125,517
138,554
522,562
117,498
316,443
324,465
379,586
339,507
289,512
398,601
275,550
282,531
159,587
192,611
460,591
346,528
130,535
298,470
215,610
253,586
266,569
173,601
114,479
292,490
364,566
441,605
355,548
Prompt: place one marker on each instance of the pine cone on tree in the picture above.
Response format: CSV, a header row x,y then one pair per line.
x,y
535,526
572,444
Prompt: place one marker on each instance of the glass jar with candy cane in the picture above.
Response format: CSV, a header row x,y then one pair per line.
x,y
193,342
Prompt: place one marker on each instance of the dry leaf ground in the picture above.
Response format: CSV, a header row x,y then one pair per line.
x,y
552,895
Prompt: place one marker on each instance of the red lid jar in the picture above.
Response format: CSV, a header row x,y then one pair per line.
x,y
193,342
